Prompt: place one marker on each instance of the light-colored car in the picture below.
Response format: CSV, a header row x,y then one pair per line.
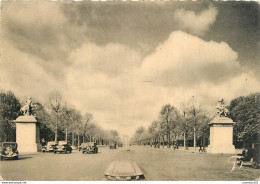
x,y
49,146
82,146
73,147
89,147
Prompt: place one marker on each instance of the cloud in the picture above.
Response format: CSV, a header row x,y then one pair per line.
x,y
186,60
112,59
185,65
41,29
101,80
194,23
25,75
207,94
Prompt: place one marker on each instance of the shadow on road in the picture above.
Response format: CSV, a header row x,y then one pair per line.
x,y
249,166
91,153
12,159
29,154
23,158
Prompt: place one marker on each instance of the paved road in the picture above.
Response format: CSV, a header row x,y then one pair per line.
x,y
156,164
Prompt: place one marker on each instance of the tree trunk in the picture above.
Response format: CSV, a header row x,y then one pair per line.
x,y
194,144
184,140
163,141
204,142
177,139
169,140
66,134
72,139
56,127
78,140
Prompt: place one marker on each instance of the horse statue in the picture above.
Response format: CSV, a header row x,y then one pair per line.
x,y
27,109
221,109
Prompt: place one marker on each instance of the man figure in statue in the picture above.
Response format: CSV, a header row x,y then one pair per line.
x,y
221,109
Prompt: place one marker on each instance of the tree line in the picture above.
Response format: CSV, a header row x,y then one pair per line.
x,y
57,121
188,126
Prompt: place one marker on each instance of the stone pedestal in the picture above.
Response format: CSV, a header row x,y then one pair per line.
x,y
27,134
221,136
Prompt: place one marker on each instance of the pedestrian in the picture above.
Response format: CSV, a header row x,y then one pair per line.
x,y
200,150
43,142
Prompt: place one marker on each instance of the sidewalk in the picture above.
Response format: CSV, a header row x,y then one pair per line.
x,y
191,149
181,148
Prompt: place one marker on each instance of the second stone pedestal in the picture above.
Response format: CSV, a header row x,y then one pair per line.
x,y
221,136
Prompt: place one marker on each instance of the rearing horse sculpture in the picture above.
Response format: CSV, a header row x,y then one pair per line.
x,y
27,108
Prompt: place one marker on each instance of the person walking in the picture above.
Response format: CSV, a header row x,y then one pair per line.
x,y
200,150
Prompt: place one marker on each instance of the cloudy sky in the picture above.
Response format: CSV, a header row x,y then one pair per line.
x,y
122,61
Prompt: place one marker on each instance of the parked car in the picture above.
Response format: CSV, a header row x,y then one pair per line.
x,y
74,147
112,146
9,151
250,155
89,147
82,146
62,147
49,146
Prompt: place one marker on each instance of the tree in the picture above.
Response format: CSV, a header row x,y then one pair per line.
x,y
76,118
169,117
91,131
194,110
245,112
87,119
155,131
138,136
9,108
65,120
203,128
99,134
183,125
44,118
114,136
55,103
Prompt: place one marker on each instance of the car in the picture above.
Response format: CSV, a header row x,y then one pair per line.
x,y
251,156
81,146
62,147
89,147
74,147
9,151
112,146
49,146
